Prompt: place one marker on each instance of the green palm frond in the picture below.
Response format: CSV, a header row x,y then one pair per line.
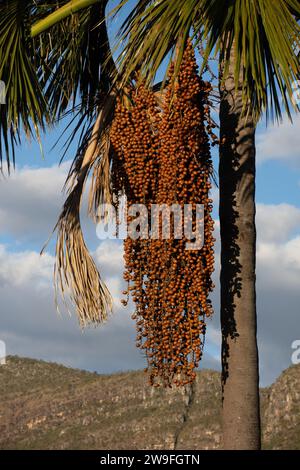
x,y
77,62
67,66
151,31
265,35
26,107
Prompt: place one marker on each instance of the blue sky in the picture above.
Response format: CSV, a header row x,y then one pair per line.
x,y
30,201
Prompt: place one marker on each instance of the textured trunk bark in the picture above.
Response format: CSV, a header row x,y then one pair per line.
x,y
240,376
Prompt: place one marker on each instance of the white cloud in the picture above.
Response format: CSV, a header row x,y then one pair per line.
x,y
19,269
280,142
278,246
279,264
30,201
109,255
276,222
30,325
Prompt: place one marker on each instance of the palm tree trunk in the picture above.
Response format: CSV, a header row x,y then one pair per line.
x,y
240,376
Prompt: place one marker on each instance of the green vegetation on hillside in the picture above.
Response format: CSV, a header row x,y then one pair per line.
x,y
49,406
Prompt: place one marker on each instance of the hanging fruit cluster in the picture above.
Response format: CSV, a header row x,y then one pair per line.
x,y
162,156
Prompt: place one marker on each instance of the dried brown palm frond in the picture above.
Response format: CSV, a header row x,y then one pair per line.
x,y
76,275
100,189
75,271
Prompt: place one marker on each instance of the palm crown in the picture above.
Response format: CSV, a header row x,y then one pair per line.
x,y
55,55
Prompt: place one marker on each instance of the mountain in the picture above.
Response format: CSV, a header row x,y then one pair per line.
x,y
49,406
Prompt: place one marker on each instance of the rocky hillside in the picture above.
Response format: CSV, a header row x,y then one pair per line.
x,y
48,406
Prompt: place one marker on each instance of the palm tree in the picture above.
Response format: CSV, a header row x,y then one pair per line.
x,y
256,43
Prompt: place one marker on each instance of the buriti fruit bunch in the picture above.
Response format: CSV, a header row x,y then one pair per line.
x,y
162,156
